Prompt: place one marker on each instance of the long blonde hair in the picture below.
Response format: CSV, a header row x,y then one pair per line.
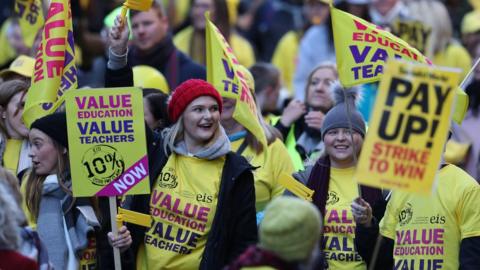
x,y
34,184
175,133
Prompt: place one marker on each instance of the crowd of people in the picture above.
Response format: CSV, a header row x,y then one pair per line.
x,y
245,218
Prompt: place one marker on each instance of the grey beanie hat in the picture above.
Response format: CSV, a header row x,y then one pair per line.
x,y
338,116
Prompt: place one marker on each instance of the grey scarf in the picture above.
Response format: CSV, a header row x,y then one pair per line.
x,y
219,148
54,207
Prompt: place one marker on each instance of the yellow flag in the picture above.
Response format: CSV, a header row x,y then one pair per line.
x,y
55,70
409,127
224,73
30,18
362,49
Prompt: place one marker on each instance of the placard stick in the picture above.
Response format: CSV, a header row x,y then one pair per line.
x,y
112,201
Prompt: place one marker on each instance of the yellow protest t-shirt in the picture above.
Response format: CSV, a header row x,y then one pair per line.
x,y
271,164
339,225
12,154
183,204
427,230
88,259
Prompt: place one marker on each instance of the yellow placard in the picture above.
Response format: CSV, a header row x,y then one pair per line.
x,y
414,32
409,127
224,74
362,49
55,71
106,133
30,19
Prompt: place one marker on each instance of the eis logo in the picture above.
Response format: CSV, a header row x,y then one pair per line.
x,y
405,215
168,178
205,198
438,219
332,198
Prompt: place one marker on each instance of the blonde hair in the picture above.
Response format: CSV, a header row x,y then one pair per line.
x,y
172,135
327,65
9,219
34,184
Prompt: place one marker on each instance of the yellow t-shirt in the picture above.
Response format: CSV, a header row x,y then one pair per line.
x,y
183,204
339,226
88,259
455,55
270,165
12,154
427,230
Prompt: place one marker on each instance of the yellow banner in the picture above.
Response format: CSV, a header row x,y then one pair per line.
x,y
106,131
55,70
30,18
362,49
409,127
223,72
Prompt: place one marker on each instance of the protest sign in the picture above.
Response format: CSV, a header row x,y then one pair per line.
x,y
362,49
409,127
414,32
106,131
55,70
30,19
224,74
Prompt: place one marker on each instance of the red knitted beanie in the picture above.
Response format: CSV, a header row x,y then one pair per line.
x,y
186,93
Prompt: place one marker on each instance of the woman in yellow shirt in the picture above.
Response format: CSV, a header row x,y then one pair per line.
x,y
202,199
332,179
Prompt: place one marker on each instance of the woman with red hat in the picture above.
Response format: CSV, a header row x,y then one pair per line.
x,y
202,199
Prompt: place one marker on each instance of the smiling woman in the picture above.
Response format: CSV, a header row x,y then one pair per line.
x,y
202,200
332,176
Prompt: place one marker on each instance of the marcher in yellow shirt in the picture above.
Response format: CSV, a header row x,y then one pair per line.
x,y
202,199
440,231
332,179
270,162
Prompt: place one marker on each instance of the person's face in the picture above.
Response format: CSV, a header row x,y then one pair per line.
x,y
272,98
198,9
339,147
148,29
148,116
318,91
43,153
316,12
13,117
228,108
201,120
383,6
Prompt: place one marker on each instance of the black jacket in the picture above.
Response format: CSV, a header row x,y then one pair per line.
x,y
234,226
